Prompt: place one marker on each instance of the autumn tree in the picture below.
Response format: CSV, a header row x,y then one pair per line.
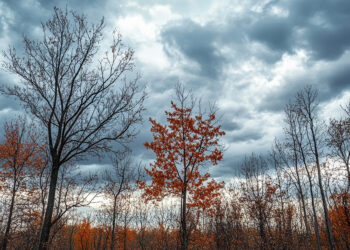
x,y
340,215
182,147
82,97
18,154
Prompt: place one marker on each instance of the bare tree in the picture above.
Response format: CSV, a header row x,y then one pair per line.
x,y
142,219
306,108
292,151
74,94
339,140
74,190
118,181
286,154
298,133
256,195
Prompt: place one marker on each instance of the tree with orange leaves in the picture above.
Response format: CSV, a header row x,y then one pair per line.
x,y
181,148
19,153
340,217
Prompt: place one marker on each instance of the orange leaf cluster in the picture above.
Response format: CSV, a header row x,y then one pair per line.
x,y
181,148
18,156
340,217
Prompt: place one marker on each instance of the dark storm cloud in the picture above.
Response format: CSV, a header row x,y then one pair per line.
x,y
229,166
331,79
272,31
245,136
230,125
323,27
339,78
276,99
196,42
215,46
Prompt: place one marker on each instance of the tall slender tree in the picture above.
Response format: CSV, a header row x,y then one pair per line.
x,y
339,140
181,148
306,108
118,181
83,98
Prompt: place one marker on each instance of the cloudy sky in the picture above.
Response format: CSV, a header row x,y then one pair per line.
x,y
250,57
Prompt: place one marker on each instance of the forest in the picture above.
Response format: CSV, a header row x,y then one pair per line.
x,y
80,103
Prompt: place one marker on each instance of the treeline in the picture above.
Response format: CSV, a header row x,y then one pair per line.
x,y
295,197
275,202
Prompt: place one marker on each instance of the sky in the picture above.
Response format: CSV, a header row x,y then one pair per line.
x,y
249,57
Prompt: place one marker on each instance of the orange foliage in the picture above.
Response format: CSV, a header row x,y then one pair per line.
x,y
201,240
340,218
181,148
164,238
124,237
18,155
83,237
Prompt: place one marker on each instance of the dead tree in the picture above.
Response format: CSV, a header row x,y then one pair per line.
x,y
298,134
339,141
83,98
306,108
118,181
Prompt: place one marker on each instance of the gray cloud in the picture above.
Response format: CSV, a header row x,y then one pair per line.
x,y
223,56
196,43
274,32
230,125
323,27
245,136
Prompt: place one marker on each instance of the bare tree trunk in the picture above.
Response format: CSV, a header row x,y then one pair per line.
x,y
113,224
183,221
302,198
300,189
317,232
125,233
49,208
262,230
9,220
324,202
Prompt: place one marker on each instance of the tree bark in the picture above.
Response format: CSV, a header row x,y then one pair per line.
x,y
49,208
113,224
183,221
324,202
8,226
318,238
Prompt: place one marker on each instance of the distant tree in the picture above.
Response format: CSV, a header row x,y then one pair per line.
x,y
258,195
339,141
74,190
296,141
18,154
340,215
84,102
181,148
118,181
227,223
306,105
